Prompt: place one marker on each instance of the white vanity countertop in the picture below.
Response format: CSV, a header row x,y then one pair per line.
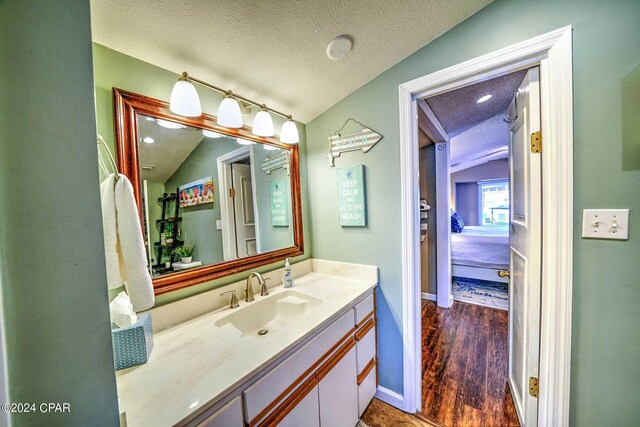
x,y
196,363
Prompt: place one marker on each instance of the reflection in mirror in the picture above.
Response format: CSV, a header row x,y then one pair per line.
x,y
208,197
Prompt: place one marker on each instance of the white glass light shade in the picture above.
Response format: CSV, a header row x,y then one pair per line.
x,y
289,133
263,124
184,99
229,114
210,134
242,141
170,125
270,147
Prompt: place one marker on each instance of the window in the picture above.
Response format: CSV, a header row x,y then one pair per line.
x,y
493,197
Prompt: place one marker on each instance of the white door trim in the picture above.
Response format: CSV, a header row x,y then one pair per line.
x,y
229,250
552,52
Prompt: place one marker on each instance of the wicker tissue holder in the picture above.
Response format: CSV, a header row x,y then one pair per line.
x,y
132,345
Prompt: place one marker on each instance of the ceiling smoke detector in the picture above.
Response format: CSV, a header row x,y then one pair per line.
x,y
339,47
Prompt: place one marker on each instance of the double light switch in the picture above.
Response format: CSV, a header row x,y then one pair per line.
x,y
605,224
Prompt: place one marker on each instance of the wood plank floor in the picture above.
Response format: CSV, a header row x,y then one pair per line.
x,y
380,414
464,356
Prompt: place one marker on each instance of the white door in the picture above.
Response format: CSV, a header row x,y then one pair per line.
x,y
245,224
525,250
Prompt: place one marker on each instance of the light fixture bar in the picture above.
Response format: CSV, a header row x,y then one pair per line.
x,y
235,95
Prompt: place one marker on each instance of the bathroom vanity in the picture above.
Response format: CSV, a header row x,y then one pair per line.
x,y
303,356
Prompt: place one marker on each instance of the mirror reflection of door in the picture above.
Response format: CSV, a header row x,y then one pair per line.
x,y
243,214
188,176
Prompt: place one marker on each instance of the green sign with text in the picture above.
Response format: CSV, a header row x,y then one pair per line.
x,y
279,197
352,206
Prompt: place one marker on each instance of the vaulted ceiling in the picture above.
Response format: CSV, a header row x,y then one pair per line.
x,y
274,51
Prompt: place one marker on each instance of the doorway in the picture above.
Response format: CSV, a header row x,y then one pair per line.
x,y
551,52
238,224
475,354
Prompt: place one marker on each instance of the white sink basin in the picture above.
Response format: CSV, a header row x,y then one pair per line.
x,y
270,313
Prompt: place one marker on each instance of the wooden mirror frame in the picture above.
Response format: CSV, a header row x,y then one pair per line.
x,y
127,105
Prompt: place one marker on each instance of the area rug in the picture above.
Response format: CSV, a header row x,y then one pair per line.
x,y
481,292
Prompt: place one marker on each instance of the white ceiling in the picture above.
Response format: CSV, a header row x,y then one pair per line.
x,y
170,149
486,141
274,51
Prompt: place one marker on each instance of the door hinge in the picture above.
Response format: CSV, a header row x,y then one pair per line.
x,y
533,386
536,142
232,192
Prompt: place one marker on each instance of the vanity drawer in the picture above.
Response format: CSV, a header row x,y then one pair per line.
x,y
229,415
366,345
263,396
366,388
363,309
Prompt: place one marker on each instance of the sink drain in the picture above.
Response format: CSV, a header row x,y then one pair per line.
x,y
263,332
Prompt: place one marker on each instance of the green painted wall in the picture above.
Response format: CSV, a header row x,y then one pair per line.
x,y
114,69
54,286
198,225
606,46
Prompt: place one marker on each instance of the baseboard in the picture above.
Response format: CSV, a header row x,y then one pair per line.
x,y
391,397
428,296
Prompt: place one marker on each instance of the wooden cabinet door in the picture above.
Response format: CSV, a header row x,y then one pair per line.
x,y
338,393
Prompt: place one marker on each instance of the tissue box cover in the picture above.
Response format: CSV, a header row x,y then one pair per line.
x,y
132,345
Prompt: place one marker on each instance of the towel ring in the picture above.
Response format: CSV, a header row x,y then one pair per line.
x,y
101,160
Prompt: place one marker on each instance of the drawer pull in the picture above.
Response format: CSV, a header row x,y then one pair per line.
x,y
366,370
360,333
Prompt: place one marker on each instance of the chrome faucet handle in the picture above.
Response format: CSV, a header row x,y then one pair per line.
x,y
234,298
264,291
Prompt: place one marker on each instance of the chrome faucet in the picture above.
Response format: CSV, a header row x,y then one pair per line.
x,y
249,289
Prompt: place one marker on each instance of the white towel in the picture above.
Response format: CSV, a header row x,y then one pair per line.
x,y
126,260
110,229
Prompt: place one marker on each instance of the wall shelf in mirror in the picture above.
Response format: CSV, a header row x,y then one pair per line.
x,y
185,172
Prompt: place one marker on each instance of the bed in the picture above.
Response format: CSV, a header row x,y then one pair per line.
x,y
480,251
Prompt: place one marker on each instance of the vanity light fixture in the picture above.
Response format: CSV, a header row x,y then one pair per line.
x,y
184,98
170,125
263,123
242,141
484,98
229,114
229,111
269,147
210,134
289,132
148,140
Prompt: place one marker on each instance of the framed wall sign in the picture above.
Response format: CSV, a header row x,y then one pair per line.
x,y
352,207
278,196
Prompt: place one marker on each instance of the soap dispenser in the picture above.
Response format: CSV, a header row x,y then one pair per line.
x,y
287,279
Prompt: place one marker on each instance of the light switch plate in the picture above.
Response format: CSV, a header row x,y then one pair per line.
x,y
605,224
219,224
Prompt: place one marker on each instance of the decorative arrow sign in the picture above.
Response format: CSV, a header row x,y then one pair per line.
x,y
278,161
362,140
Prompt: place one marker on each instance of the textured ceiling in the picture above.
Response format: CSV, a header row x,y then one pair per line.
x,y
484,142
274,51
458,111
168,152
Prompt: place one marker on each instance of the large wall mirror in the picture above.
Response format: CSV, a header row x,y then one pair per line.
x,y
213,201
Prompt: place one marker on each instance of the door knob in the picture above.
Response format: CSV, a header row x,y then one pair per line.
x,y
504,273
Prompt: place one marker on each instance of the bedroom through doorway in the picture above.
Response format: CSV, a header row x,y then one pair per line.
x,y
466,191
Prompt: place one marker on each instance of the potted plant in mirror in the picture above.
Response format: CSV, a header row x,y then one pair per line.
x,y
185,253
